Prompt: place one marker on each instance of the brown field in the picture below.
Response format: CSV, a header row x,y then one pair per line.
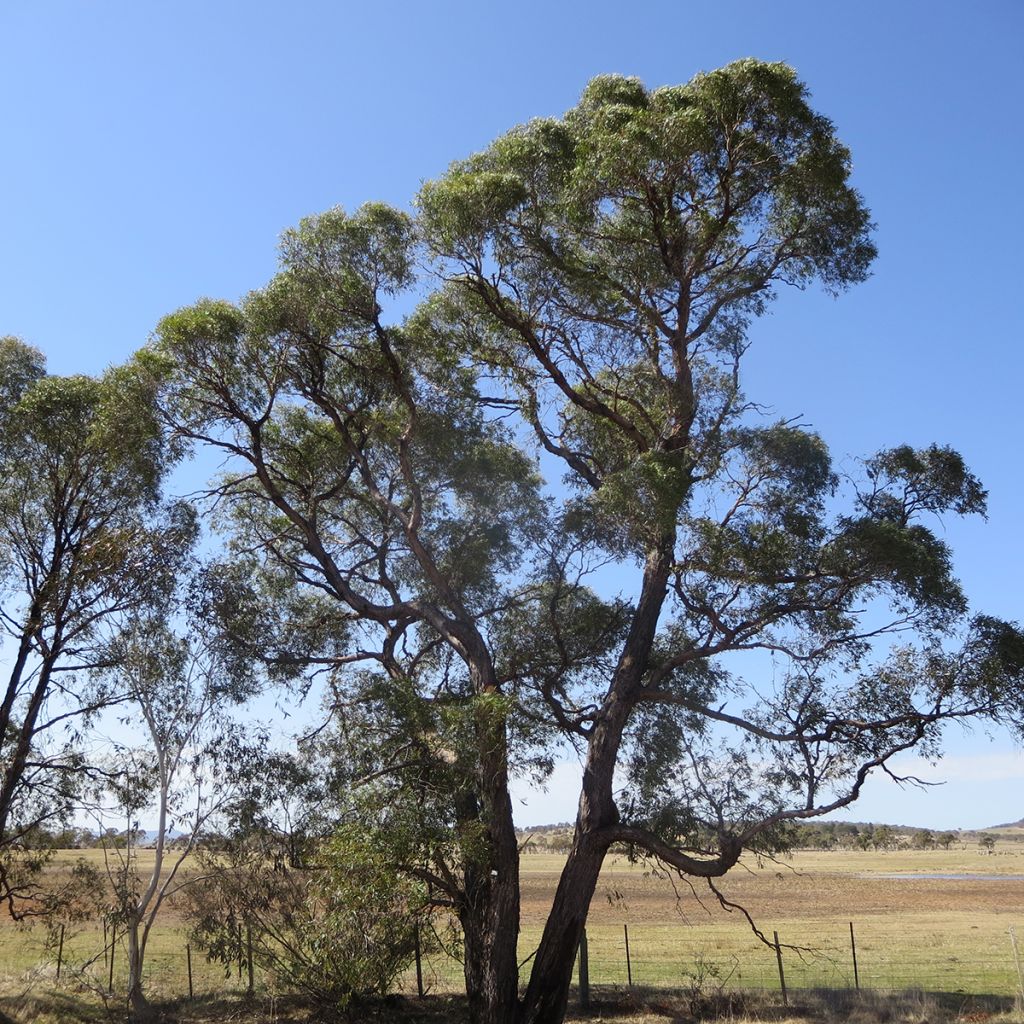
x,y
941,935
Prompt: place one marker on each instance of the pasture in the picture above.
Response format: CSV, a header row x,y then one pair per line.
x,y
936,921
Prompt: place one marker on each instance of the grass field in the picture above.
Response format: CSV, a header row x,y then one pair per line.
x,y
932,933
948,934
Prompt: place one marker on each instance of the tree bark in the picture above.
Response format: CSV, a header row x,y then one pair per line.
x,y
491,968
141,1009
489,913
23,737
547,994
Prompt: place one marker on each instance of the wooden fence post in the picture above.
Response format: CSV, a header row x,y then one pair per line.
x,y
629,966
419,961
584,973
782,974
248,949
1016,960
853,947
60,952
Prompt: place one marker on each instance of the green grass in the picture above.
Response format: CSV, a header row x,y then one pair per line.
x,y
931,935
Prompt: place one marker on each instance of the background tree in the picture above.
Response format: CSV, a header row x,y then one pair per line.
x,y
83,542
285,803
181,697
596,277
884,837
924,839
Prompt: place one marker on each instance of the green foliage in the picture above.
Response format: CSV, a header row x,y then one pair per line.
x,y
84,542
341,929
587,284
925,839
362,256
20,366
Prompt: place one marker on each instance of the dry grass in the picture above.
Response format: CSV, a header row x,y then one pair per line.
x,y
46,1005
946,935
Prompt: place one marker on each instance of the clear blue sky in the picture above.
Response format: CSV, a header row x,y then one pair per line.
x,y
152,154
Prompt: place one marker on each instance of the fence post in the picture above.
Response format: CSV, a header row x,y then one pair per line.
x,y
584,973
60,952
629,966
419,961
1016,960
248,949
188,964
241,951
113,946
104,940
853,946
782,973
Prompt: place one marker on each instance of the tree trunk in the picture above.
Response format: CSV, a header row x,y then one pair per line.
x,y
139,1005
490,907
23,737
491,967
547,994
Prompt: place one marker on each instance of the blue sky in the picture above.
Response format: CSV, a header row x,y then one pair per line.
x,y
153,153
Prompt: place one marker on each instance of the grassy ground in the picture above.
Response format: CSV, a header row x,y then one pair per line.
x,y
943,934
940,935
639,1006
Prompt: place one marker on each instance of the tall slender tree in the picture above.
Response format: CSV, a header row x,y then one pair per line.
x,y
179,695
594,279
84,541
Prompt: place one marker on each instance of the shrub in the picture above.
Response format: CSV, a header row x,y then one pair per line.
x,y
342,928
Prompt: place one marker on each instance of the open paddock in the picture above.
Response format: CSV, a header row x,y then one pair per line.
x,y
936,933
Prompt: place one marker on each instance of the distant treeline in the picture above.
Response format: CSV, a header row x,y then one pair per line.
x,y
72,838
826,835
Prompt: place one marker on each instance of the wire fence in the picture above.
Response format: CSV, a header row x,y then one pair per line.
x,y
837,957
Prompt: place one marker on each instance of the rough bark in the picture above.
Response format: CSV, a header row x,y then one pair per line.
x,y
547,994
489,913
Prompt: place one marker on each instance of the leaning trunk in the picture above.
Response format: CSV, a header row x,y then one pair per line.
x,y
547,994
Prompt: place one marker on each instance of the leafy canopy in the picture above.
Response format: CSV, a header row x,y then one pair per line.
x,y
586,285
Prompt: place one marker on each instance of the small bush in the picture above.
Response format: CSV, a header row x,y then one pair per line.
x,y
342,928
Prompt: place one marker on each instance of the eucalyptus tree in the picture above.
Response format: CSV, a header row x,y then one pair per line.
x,y
592,280
84,541
179,697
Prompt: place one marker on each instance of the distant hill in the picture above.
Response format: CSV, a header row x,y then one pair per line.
x,y
825,835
